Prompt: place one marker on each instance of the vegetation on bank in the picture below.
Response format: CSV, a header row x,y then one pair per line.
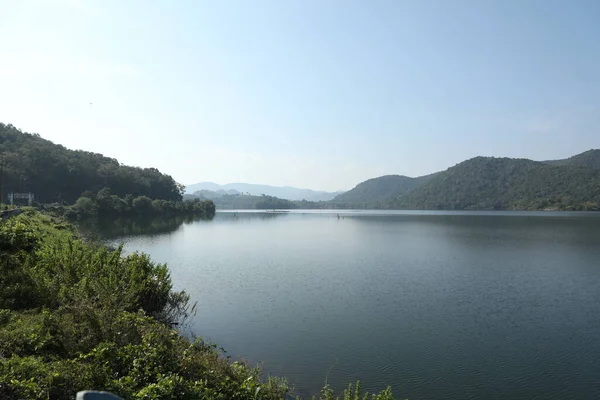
x,y
112,228
75,315
246,201
54,173
241,201
106,204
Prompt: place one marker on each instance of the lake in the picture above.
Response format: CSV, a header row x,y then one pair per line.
x,y
439,305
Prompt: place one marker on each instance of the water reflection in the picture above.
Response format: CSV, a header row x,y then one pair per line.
x,y
246,216
113,228
439,305
577,229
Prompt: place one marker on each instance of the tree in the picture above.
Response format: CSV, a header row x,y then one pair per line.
x,y
85,206
142,204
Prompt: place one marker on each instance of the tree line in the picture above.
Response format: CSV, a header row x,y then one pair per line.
x,y
105,204
56,174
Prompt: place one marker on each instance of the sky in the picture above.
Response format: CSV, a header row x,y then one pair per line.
x,y
319,94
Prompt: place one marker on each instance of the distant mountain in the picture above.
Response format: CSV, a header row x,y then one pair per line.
x,y
590,158
211,195
379,191
510,184
286,192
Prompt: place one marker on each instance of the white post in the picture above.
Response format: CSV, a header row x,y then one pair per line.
x,y
93,395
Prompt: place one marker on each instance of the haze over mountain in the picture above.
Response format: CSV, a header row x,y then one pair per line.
x,y
282,192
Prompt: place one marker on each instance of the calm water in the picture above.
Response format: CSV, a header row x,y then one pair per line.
x,y
439,305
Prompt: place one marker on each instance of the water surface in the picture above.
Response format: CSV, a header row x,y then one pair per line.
x,y
438,305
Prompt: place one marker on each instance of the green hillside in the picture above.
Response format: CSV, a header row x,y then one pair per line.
x,y
378,191
53,172
507,184
590,159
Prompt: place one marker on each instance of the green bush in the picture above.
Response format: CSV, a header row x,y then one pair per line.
x,y
105,204
85,206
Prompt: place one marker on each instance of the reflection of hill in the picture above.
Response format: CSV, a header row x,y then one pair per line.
x,y
497,230
248,216
118,227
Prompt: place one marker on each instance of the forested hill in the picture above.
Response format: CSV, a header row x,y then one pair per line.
x,y
227,201
379,191
509,184
53,172
590,158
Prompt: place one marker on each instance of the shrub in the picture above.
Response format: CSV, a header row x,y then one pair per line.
x,y
86,207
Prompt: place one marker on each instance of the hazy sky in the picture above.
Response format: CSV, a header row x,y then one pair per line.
x,y
320,94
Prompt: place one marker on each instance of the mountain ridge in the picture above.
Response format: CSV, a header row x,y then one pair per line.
x,y
489,183
282,192
375,191
55,174
510,184
589,158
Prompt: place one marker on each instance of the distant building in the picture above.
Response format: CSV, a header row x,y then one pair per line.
x,y
20,198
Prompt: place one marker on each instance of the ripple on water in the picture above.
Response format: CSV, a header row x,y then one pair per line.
x,y
439,306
